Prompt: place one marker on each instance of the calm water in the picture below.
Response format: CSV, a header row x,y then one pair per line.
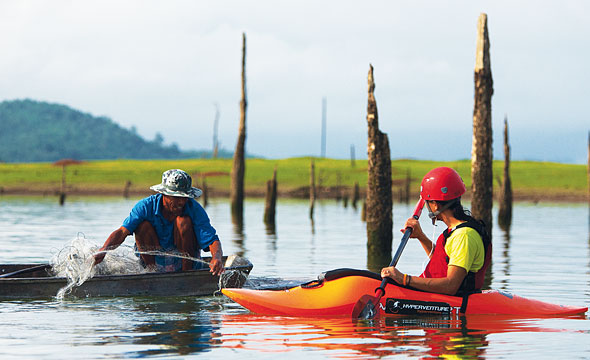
x,y
546,257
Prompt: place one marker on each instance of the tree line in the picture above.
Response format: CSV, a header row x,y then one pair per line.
x,y
32,131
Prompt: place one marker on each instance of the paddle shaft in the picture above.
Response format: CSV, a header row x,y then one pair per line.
x,y
402,245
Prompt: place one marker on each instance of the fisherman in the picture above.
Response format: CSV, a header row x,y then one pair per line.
x,y
171,222
462,253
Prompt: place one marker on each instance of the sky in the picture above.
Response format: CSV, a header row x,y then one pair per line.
x,y
165,66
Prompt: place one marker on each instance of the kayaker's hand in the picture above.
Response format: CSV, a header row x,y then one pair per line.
x,y
392,273
216,265
416,229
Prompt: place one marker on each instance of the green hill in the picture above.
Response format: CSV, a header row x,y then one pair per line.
x,y
32,131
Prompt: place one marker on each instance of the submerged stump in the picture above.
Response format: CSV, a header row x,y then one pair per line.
x,y
270,202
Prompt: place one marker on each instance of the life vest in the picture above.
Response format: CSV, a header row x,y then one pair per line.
x,y
439,262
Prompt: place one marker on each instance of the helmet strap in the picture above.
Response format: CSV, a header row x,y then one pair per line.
x,y
432,215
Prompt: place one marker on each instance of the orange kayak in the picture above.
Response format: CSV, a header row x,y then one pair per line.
x,y
336,292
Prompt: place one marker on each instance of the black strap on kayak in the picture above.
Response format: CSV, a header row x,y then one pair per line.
x,y
464,303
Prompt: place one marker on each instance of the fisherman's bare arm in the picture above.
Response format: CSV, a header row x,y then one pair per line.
x,y
216,266
113,241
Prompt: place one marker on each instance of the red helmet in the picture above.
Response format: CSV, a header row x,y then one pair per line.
x,y
442,184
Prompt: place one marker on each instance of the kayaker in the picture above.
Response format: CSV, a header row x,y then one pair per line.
x,y
462,253
169,221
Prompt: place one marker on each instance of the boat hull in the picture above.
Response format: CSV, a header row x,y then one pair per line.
x,y
338,291
40,284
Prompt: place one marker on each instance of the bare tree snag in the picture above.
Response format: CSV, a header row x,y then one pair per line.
x,y
324,110
379,194
481,152
505,211
239,165
271,200
215,132
312,189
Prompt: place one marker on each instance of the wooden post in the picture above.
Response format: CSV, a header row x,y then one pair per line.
x,y
239,165
408,185
338,186
312,190
379,193
505,210
62,192
355,194
126,189
352,156
271,200
481,152
205,192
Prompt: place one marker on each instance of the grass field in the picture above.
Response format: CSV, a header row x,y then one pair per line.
x,y
530,180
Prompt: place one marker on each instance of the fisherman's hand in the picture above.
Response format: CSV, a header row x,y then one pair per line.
x,y
216,265
392,273
99,257
416,229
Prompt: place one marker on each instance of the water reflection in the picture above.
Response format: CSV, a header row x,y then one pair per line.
x,y
239,239
464,337
170,326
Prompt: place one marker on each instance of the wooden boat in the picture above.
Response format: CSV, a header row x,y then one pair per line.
x,y
21,281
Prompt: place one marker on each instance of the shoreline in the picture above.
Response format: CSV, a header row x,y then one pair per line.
x,y
334,193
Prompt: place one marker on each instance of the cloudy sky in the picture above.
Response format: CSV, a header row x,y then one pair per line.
x,y
161,66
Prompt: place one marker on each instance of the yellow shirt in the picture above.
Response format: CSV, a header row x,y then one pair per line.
x,y
465,249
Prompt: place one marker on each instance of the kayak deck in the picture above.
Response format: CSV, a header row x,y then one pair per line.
x,y
337,292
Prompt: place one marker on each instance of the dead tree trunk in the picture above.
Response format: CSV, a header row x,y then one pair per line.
x,y
379,193
481,152
239,165
505,210
312,190
215,133
271,200
324,109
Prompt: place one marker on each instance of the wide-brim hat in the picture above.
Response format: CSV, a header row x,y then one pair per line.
x,y
176,182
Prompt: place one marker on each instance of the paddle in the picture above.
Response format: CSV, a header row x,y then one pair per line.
x,y
27,270
365,307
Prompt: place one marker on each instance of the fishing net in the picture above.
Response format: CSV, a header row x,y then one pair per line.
x,y
75,262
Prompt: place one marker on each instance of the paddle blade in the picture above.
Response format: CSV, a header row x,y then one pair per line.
x,y
366,308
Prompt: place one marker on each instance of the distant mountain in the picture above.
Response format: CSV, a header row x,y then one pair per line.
x,y
33,131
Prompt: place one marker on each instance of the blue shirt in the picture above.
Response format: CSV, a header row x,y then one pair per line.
x,y
150,210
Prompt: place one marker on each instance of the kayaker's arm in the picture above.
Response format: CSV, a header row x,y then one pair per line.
x,y
417,233
448,285
113,241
